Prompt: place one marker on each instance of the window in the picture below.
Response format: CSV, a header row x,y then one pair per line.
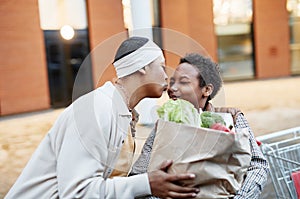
x,y
233,27
293,7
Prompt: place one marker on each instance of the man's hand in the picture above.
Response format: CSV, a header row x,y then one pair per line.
x,y
164,185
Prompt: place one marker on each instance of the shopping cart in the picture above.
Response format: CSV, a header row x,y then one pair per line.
x,y
282,150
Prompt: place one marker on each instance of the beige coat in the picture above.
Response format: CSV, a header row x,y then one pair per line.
x,y
78,154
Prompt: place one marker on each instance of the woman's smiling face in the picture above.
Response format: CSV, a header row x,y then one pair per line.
x,y
184,84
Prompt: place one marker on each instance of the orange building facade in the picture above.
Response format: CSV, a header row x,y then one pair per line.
x,y
23,72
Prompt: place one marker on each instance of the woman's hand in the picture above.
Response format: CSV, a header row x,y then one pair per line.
x,y
164,185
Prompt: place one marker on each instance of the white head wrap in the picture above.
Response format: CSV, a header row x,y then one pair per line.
x,y
137,59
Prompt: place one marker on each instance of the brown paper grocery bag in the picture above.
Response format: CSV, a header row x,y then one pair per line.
x,y
219,159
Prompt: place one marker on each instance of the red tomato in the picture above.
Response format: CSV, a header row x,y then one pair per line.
x,y
221,127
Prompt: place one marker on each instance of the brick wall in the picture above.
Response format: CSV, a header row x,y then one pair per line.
x,y
194,19
23,70
106,32
271,38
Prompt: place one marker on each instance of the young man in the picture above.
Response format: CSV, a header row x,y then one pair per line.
x,y
197,79
79,153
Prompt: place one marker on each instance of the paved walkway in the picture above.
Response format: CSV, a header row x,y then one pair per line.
x,y
269,105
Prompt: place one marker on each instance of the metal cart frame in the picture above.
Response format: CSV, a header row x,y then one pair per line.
x,y
282,150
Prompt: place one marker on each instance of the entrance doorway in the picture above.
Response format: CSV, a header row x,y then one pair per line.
x,y
293,7
64,24
233,27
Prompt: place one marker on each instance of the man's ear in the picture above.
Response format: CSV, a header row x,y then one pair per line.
x,y
207,90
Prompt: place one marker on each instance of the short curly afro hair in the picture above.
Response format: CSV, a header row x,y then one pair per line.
x,y
209,72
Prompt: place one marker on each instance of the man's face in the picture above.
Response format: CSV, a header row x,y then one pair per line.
x,y
156,79
184,84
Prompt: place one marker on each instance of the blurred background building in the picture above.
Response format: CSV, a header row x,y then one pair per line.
x,y
44,42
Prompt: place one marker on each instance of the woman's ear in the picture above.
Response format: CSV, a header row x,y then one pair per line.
x,y
207,90
142,71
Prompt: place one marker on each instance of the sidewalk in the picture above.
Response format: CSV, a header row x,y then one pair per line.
x,y
269,105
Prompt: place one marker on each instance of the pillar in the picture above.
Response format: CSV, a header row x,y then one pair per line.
x,y
105,20
271,38
23,71
193,18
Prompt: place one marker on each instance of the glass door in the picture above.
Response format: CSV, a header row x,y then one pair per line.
x,y
233,27
64,24
293,7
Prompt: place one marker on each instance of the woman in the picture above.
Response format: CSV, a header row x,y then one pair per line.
x,y
197,79
78,155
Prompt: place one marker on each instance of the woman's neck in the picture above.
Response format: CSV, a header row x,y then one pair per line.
x,y
128,89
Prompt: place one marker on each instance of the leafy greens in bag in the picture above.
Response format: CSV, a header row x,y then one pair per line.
x,y
179,111
209,119
182,111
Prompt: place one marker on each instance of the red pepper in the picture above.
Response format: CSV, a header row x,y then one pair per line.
x,y
221,127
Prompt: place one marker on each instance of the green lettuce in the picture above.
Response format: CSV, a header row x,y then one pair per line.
x,y
179,111
182,111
